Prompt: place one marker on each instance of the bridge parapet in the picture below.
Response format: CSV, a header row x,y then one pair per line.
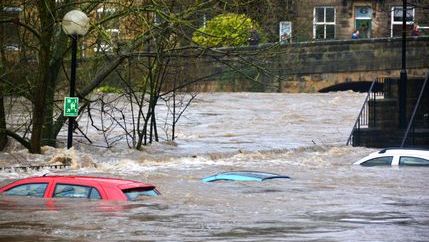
x,y
311,66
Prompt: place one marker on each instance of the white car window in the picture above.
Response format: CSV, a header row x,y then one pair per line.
x,y
413,161
379,161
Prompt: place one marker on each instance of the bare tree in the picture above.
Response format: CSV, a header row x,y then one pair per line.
x,y
156,48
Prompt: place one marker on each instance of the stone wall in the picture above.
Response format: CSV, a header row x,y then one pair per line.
x,y
308,66
345,16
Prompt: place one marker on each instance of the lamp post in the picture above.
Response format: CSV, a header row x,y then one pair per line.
x,y
74,23
402,87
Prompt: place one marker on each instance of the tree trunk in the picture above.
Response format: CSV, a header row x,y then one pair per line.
x,y
39,101
3,136
49,135
40,89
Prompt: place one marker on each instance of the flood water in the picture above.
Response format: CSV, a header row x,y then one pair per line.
x,y
299,135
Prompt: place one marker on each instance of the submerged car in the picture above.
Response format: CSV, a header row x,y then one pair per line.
x,y
396,157
243,176
87,187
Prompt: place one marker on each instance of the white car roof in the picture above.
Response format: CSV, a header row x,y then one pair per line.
x,y
396,152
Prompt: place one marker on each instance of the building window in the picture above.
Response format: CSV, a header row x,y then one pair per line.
x,y
9,33
324,23
110,27
396,20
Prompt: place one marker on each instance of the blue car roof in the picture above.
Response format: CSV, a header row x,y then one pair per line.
x,y
243,176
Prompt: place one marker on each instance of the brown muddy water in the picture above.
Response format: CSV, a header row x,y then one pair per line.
x,y
299,135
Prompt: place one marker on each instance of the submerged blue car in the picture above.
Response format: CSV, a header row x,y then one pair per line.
x,y
243,176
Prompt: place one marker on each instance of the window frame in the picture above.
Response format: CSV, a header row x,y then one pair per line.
x,y
401,163
15,44
392,17
77,185
27,184
392,158
324,23
356,8
359,18
133,194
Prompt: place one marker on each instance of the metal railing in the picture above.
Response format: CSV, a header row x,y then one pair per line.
x,y
364,118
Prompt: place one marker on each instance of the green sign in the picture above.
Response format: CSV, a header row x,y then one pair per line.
x,y
71,106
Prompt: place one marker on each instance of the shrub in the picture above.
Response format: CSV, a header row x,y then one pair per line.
x,y
226,30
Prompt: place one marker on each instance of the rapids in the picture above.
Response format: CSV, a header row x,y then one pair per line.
x,y
299,135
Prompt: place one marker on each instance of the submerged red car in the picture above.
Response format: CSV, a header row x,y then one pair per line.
x,y
88,187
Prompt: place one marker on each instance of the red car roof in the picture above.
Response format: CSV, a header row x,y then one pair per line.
x,y
121,183
105,182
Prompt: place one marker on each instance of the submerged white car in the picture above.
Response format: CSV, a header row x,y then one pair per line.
x,y
396,157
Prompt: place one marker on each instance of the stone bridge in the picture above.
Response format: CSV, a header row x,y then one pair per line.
x,y
311,66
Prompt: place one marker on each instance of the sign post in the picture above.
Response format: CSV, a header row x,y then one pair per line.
x,y
71,110
71,106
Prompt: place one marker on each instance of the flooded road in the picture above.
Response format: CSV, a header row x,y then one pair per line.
x,y
299,135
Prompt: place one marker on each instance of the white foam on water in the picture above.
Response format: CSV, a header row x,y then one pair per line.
x,y
225,128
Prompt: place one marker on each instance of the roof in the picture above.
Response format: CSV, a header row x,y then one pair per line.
x,y
396,152
403,151
243,176
122,183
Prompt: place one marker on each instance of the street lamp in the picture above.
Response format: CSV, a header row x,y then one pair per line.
x,y
402,84
74,23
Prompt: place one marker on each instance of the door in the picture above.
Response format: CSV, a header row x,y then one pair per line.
x,y
363,20
364,27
